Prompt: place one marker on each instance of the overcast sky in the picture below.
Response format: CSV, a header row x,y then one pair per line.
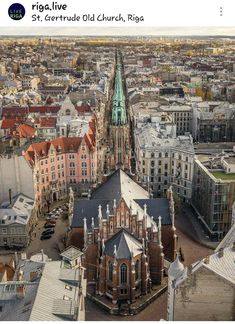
x,y
118,31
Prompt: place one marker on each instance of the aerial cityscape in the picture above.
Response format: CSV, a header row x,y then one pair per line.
x,y
117,178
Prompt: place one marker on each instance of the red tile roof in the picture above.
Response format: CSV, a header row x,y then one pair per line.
x,y
83,109
11,123
14,111
61,144
25,131
44,109
49,122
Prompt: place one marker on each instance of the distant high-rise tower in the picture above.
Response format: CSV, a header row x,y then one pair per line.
x,y
120,127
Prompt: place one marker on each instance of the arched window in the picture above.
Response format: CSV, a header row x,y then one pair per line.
x,y
123,273
110,269
67,112
137,270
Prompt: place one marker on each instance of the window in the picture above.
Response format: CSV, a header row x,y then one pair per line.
x,y
72,172
137,270
123,273
68,287
166,155
72,165
160,155
110,269
84,172
67,112
84,165
152,155
67,298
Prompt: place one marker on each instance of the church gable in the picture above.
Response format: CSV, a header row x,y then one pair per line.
x,y
67,108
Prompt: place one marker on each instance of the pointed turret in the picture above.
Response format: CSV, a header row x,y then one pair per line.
x,y
176,268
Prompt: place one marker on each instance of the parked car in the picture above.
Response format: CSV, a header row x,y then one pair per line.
x,y
54,217
45,237
51,220
49,225
48,231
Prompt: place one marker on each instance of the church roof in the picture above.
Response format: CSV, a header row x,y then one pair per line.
x,y
119,185
156,207
126,245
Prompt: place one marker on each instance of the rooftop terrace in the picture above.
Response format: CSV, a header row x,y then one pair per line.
x,y
223,176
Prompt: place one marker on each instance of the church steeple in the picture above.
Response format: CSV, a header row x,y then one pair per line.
x,y
120,147
119,116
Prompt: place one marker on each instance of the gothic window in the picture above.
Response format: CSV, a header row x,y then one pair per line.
x,y
123,274
110,269
137,270
68,112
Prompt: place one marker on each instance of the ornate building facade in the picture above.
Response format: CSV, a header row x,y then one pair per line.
x,y
127,238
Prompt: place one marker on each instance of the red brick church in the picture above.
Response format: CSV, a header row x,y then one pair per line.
x,y
127,237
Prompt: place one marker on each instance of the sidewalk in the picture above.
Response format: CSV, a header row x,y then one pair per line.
x,y
188,223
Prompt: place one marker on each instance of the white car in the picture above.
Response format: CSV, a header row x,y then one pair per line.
x,y
54,216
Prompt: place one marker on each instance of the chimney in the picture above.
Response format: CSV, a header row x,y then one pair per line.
x,y
207,260
19,275
33,275
16,260
10,197
20,291
42,254
221,253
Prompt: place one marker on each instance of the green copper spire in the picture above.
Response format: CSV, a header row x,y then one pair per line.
x,y
118,109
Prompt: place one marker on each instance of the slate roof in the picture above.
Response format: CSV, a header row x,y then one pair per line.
x,y
222,266
120,185
125,243
157,207
88,209
21,307
228,239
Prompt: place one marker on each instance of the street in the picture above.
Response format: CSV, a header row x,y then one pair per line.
x,y
52,246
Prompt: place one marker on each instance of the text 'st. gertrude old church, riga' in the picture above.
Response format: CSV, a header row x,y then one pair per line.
x,y
127,238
